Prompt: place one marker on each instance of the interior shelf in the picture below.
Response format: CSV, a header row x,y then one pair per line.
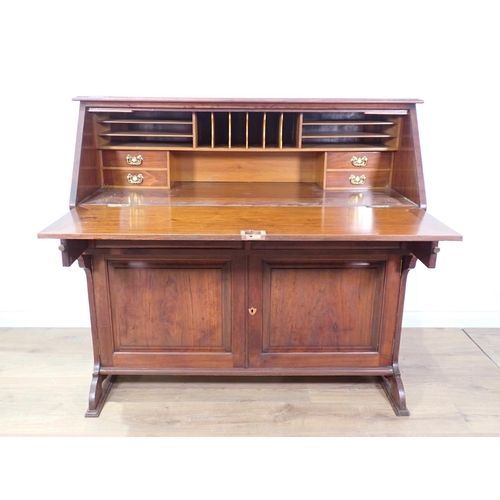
x,y
139,133
341,135
152,122
160,127
345,129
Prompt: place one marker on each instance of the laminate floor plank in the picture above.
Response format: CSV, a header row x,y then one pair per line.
x,y
452,386
488,339
195,389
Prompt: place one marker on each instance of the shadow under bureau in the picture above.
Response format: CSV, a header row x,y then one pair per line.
x,y
247,236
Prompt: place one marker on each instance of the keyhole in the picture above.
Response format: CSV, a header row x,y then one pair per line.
x,y
252,310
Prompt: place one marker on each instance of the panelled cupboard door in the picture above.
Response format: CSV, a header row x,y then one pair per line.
x,y
170,311
314,311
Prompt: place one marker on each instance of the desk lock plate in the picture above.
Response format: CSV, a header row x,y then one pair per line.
x,y
251,234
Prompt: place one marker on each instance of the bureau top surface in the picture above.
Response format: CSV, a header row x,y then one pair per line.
x,y
244,103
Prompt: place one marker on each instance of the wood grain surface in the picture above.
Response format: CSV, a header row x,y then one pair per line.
x,y
280,223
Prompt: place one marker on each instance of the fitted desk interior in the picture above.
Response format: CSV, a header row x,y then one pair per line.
x,y
247,237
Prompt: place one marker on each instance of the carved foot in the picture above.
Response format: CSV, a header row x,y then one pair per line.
x,y
393,387
99,390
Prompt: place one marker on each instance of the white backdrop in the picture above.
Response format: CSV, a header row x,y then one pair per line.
x,y
441,52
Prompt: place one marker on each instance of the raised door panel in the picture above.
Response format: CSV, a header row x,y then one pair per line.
x,y
159,307
165,313
318,309
323,312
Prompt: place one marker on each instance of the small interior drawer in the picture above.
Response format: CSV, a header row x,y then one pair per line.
x,y
127,159
359,160
358,179
119,177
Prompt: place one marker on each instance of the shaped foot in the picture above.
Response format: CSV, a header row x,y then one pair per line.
x,y
99,390
395,391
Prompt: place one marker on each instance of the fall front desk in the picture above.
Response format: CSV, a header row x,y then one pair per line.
x,y
246,236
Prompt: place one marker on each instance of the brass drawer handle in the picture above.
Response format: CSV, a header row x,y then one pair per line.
x,y
134,160
357,179
135,179
359,162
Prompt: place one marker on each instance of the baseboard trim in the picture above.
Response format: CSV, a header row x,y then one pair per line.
x,y
33,319
451,319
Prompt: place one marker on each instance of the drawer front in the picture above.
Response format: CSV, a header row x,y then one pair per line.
x,y
133,177
127,159
359,160
358,179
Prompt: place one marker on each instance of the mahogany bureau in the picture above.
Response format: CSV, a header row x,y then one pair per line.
x,y
247,236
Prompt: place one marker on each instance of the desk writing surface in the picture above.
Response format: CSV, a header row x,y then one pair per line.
x,y
226,223
220,211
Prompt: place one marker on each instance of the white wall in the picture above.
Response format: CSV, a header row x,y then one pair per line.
x,y
447,56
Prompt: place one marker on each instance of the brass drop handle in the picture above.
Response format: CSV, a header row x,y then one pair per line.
x,y
252,310
135,179
359,162
357,179
134,160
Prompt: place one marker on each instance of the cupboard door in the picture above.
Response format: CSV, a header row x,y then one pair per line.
x,y
322,312
167,312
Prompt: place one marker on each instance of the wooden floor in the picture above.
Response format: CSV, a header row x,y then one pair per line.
x,y
452,380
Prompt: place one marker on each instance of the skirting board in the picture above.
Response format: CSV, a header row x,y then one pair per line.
x,y
451,319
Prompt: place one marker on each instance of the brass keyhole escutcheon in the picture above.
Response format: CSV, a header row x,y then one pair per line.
x,y
252,310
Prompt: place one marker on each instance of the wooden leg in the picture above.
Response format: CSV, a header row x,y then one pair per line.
x,y
393,387
101,384
99,390
392,384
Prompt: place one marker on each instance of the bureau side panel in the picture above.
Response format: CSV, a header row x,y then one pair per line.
x,y
408,177
86,177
